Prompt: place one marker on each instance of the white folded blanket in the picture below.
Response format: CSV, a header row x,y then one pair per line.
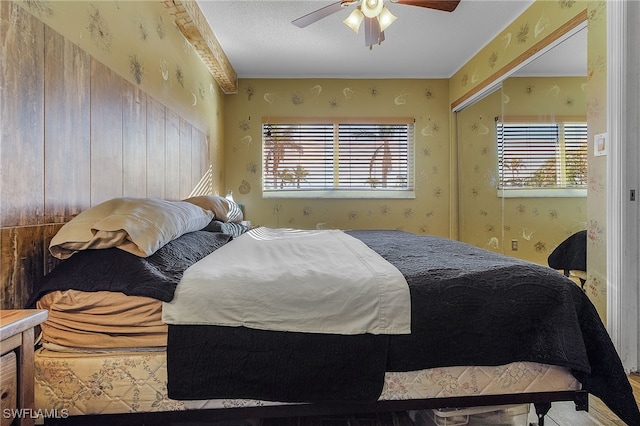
x,y
321,281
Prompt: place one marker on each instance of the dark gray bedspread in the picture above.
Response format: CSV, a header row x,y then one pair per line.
x,y
469,307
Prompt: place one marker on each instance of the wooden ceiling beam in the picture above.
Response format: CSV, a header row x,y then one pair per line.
x,y
191,22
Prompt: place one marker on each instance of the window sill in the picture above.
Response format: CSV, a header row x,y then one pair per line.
x,y
542,193
341,194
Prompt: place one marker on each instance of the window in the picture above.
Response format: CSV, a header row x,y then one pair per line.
x,y
542,155
338,158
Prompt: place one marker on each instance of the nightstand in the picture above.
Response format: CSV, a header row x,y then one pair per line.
x,y
17,364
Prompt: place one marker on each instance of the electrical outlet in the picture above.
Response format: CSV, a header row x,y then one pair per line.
x,y
514,245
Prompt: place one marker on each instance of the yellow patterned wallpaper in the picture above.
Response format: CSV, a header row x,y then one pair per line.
x,y
597,121
424,100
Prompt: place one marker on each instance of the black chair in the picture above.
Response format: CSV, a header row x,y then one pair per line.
x,y
571,255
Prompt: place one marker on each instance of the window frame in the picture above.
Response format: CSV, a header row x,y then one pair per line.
x,y
408,193
540,192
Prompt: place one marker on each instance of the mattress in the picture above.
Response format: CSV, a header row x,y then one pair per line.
x,y
136,382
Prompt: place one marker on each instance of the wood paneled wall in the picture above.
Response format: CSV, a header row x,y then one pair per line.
x,y
73,134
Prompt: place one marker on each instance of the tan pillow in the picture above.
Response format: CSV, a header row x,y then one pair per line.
x,y
137,225
223,209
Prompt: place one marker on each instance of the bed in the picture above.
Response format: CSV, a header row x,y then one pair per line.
x,y
141,328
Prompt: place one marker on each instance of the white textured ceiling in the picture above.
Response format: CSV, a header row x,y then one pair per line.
x,y
261,42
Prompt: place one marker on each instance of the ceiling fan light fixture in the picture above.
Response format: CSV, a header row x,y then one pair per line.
x,y
354,20
386,18
372,8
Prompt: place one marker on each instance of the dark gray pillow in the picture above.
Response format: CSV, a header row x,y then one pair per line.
x,y
229,228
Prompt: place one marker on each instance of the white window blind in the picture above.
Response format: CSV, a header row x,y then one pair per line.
x,y
338,156
297,156
542,155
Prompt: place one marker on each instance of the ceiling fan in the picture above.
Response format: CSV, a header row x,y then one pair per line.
x,y
374,13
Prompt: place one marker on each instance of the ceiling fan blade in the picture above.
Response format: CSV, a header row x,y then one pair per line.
x,y
372,33
444,5
317,15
